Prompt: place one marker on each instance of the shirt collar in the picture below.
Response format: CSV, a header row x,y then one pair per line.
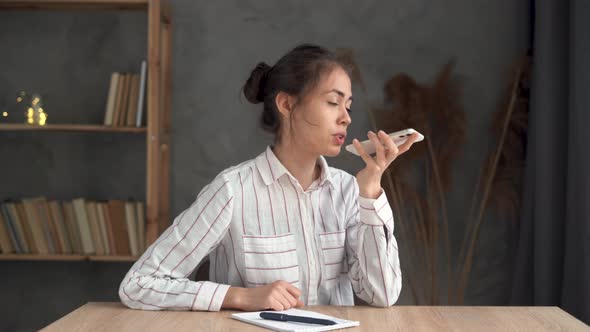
x,y
271,168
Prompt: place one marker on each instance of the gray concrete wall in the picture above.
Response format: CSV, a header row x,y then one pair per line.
x,y
68,57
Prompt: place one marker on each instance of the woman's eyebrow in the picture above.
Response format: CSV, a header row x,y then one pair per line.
x,y
342,94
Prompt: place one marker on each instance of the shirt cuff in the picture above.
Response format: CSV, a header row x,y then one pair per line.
x,y
376,212
210,297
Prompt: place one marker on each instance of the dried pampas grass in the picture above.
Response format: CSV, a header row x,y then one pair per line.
x,y
503,168
417,183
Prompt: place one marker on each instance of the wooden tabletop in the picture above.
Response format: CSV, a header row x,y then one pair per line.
x,y
105,316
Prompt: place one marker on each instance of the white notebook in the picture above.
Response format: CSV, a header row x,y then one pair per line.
x,y
254,318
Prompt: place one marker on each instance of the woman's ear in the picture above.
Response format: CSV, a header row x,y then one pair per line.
x,y
285,103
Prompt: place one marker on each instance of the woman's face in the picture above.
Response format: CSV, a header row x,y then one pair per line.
x,y
320,120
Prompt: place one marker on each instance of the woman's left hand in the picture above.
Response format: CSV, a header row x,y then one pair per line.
x,y
369,178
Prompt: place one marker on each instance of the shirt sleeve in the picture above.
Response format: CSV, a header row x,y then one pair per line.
x,y
158,280
372,251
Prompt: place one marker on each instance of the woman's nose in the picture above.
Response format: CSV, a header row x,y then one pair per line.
x,y
345,118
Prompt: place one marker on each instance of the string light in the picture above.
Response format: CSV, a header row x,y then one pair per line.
x,y
32,106
42,118
35,114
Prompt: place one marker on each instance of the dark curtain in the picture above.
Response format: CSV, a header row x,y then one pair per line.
x,y
553,258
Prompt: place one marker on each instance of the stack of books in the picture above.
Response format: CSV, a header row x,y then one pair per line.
x,y
125,100
81,226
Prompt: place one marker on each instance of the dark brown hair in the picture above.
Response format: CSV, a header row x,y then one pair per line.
x,y
296,73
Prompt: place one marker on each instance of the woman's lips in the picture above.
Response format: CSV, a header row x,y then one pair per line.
x,y
339,139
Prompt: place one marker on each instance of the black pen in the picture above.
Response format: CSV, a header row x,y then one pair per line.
x,y
299,319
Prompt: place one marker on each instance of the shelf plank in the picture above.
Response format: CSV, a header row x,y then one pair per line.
x,y
37,257
75,4
113,258
70,127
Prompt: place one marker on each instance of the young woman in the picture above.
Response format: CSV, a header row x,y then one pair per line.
x,y
284,229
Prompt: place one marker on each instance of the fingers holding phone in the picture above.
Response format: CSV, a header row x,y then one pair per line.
x,y
408,144
402,141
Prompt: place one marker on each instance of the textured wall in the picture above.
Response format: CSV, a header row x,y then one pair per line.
x,y
68,57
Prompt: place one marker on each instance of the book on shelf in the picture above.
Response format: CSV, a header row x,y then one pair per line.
x,y
48,230
121,110
5,237
125,98
81,215
57,215
100,218
131,227
16,240
132,104
111,99
119,99
28,230
73,227
95,228
81,226
141,96
117,216
39,241
110,235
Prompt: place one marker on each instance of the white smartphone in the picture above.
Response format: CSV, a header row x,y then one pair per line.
x,y
399,138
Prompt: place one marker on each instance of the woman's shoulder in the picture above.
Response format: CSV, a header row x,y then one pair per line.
x,y
229,179
234,173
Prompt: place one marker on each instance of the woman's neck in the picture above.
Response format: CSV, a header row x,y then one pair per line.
x,y
302,165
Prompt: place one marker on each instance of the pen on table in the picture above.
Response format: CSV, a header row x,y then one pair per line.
x,y
299,319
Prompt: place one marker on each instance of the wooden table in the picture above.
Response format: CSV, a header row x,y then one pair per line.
x,y
104,316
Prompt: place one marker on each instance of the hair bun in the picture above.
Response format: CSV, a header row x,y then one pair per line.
x,y
254,87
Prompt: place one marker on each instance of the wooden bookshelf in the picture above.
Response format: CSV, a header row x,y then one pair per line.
x,y
158,106
113,258
71,127
35,257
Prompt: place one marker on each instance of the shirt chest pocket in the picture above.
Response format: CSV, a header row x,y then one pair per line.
x,y
333,254
271,258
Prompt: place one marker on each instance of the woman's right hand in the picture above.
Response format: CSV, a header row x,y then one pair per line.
x,y
280,295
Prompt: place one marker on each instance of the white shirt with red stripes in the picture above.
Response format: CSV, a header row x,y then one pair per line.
x,y
258,225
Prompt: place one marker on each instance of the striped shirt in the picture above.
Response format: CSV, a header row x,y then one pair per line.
x,y
258,226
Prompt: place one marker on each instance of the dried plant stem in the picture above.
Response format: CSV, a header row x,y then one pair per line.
x,y
467,231
400,202
400,220
443,208
464,278
431,238
417,239
425,250
432,245
421,231
428,217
